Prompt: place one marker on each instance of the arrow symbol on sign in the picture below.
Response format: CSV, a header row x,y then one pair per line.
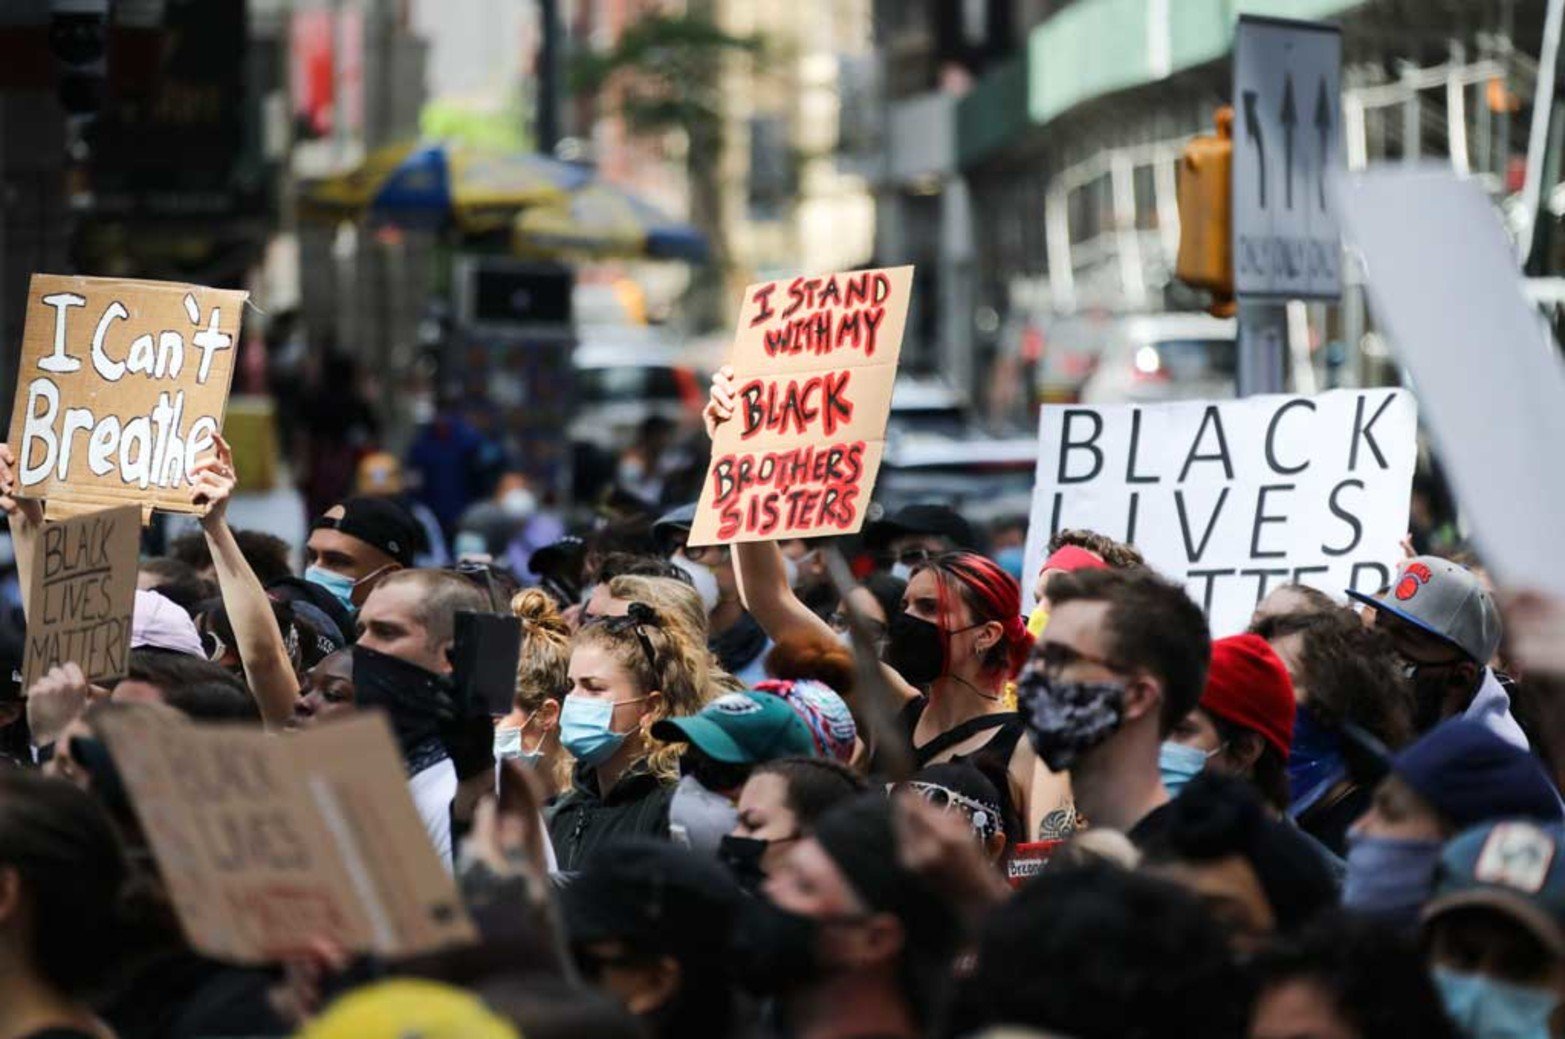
x,y
1252,129
1290,118
1323,124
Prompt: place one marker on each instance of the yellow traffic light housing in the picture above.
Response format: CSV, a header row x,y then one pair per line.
x,y
1206,257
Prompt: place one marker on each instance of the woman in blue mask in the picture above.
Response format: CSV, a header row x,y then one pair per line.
x,y
1495,931
531,732
626,674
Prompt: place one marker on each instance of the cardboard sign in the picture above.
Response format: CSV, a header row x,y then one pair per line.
x,y
82,594
1235,497
267,842
1490,377
814,361
121,388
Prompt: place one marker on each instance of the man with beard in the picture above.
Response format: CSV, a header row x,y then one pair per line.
x,y
1122,661
1446,628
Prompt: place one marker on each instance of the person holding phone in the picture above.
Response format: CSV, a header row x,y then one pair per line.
x,y
627,674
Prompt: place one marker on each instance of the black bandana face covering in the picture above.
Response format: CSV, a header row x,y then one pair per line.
x,y
416,700
1065,719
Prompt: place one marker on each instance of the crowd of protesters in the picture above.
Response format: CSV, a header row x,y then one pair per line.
x,y
748,799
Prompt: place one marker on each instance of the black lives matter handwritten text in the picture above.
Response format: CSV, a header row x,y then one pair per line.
x,y
82,593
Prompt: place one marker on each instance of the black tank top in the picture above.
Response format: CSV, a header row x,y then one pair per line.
x,y
993,759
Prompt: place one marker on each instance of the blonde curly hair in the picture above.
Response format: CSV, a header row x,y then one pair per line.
x,y
674,667
682,606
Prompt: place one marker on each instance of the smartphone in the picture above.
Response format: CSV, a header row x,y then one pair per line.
x,y
483,662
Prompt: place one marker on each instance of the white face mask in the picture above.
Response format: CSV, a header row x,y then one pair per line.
x,y
901,571
422,410
702,577
791,569
518,503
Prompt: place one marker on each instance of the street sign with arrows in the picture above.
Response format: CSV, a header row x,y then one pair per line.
x,y
1286,73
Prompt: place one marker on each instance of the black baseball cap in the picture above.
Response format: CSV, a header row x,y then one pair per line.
x,y
937,520
671,526
652,895
378,522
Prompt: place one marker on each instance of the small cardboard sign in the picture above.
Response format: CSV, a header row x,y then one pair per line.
x,y
268,842
814,362
121,388
82,593
1235,497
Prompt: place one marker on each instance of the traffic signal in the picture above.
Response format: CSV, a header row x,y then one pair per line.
x,y
1206,256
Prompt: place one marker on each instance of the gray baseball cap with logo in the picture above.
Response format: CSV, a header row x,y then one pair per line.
x,y
1444,599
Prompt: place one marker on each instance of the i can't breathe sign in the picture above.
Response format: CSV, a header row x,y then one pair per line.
x,y
1236,497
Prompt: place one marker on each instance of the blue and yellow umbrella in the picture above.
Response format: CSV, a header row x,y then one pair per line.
x,y
439,185
599,221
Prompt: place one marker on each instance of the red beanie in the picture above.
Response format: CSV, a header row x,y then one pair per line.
x,y
1247,685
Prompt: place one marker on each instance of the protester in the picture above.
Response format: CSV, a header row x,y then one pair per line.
x,y
355,543
779,806
877,599
848,940
1291,599
1096,952
915,534
1446,628
1063,560
959,787
1349,687
1495,930
1243,725
1459,775
1256,874
175,580
510,526
62,872
738,642
531,732
265,554
627,673
401,664
1123,660
327,690
823,711
724,741
651,925
1345,979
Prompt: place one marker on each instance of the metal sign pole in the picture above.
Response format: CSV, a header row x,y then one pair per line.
x,y
1287,141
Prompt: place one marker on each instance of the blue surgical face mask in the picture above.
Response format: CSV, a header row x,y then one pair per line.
x,y
585,729
508,744
1012,560
1389,877
1484,1008
1180,764
339,586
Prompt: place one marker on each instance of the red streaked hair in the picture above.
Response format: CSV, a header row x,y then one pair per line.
x,y
992,595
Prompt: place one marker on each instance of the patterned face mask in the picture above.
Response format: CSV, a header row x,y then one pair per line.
x,y
1066,719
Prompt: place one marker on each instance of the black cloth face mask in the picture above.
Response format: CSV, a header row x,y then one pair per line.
x,y
915,649
1066,719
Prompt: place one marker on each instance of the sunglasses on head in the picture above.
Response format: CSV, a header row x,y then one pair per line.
x,y
637,619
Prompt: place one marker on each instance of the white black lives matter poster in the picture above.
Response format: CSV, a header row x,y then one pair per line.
x,y
1236,497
